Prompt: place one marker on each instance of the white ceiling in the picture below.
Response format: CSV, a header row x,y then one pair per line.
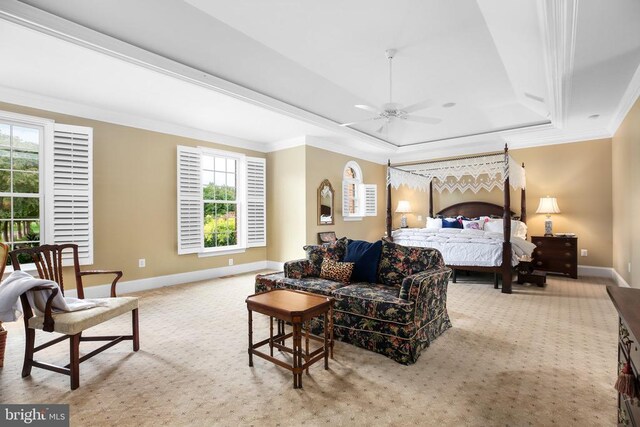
x,y
266,75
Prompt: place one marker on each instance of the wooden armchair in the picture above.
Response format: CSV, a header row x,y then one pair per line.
x,y
48,262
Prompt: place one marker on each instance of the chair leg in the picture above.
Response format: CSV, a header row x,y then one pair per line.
x,y
29,342
136,332
74,362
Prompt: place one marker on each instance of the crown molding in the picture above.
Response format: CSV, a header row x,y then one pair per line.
x,y
558,20
346,149
32,100
285,144
36,19
630,97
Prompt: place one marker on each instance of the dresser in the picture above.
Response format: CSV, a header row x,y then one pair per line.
x,y
627,302
556,254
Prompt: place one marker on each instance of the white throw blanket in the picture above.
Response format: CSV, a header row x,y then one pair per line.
x,y
20,282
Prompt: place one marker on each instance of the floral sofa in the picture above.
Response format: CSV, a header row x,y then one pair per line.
x,y
398,316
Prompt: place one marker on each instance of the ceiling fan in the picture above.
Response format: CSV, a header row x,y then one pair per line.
x,y
391,111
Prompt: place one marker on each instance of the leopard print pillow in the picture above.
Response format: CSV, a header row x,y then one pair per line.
x,y
336,271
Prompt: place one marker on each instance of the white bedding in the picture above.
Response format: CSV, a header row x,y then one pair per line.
x,y
464,246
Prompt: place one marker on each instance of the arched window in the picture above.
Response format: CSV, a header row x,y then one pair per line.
x,y
358,199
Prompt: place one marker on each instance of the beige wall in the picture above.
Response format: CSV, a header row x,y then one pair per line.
x,y
321,164
577,174
134,203
626,196
286,204
293,178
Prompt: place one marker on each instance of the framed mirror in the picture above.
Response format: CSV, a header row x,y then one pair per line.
x,y
325,203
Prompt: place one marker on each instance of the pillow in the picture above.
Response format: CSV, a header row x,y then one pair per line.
x,y
473,224
366,257
336,271
434,223
518,228
451,223
316,253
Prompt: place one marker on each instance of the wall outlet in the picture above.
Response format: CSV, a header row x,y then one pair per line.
x,y
141,262
419,217
230,261
583,252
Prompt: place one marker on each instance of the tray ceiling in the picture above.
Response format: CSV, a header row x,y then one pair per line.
x,y
271,72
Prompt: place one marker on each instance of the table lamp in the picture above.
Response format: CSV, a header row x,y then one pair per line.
x,y
403,208
548,205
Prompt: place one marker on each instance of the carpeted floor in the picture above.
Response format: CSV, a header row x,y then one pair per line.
x,y
541,356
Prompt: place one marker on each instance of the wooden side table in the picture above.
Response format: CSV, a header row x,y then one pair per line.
x,y
297,308
556,254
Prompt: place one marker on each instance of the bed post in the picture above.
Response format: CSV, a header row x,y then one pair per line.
x,y
506,220
523,203
431,199
389,202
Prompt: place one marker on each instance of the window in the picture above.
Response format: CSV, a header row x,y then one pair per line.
x,y
221,201
45,183
358,199
20,192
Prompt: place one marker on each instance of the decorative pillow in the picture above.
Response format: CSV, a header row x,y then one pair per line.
x,y
366,257
518,228
316,253
451,223
398,262
336,271
434,223
474,224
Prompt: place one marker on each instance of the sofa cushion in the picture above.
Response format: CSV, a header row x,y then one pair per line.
x,y
311,284
335,270
366,257
316,253
374,301
398,262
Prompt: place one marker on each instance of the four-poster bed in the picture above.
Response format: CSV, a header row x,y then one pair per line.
x,y
483,172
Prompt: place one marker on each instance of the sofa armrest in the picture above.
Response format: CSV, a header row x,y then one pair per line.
x,y
297,269
430,286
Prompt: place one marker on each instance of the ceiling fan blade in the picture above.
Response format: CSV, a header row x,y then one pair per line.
x,y
360,121
367,108
418,106
381,128
420,119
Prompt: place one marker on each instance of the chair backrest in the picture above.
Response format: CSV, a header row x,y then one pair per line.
x,y
48,261
4,253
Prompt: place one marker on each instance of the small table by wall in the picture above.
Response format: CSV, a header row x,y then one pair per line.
x,y
297,308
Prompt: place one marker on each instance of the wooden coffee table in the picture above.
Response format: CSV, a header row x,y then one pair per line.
x,y
297,308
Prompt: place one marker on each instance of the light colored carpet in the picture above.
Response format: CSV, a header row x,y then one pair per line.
x,y
536,357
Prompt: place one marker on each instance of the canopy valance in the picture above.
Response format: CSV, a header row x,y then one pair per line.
x,y
470,173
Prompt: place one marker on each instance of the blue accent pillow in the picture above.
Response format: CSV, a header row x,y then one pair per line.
x,y
366,257
451,224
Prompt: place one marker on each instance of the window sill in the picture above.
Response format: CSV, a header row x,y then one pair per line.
x,y
352,218
210,253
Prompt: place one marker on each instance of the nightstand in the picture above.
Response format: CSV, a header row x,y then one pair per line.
x,y
556,254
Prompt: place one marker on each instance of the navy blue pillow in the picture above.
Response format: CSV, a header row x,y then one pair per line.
x,y
366,257
451,224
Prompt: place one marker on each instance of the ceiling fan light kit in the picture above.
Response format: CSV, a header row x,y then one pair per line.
x,y
392,111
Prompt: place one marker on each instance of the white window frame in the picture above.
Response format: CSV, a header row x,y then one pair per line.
x,y
189,160
46,176
241,203
365,194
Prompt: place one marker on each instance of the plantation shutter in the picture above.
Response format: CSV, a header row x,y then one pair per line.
x,y
345,198
190,208
256,202
70,206
370,199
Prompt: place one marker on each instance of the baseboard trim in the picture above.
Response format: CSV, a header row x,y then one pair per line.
x,y
126,287
590,270
275,265
618,279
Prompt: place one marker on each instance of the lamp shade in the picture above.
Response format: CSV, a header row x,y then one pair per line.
x,y
403,207
548,205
